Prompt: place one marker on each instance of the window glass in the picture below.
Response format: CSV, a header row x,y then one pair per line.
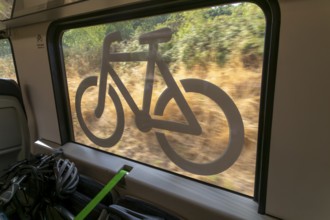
x,y
178,91
6,9
7,67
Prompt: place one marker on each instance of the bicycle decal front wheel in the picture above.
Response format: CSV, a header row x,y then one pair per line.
x,y
235,126
119,127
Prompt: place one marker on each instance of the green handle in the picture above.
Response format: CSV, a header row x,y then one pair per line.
x,y
97,199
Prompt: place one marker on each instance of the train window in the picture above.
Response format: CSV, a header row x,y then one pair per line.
x,y
7,67
177,91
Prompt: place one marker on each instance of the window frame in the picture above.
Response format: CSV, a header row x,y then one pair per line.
x,y
125,12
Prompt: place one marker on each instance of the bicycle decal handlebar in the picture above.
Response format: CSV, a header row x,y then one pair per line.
x,y
157,36
153,37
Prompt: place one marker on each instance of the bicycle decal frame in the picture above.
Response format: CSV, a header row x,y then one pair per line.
x,y
143,119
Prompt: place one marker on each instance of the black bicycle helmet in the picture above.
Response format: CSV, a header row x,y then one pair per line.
x,y
66,176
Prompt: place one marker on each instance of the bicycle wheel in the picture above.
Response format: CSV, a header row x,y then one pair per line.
x,y
119,128
234,121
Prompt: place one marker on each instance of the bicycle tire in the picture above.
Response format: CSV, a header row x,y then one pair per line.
x,y
118,132
235,123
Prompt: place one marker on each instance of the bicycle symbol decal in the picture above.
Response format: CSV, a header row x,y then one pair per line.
x,y
144,120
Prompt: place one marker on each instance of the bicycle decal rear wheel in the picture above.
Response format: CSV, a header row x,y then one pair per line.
x,y
119,128
234,121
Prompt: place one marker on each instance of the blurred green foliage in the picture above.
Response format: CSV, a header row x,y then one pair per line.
x,y
216,34
5,48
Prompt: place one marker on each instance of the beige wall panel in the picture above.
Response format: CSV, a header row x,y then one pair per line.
x,y
299,175
30,49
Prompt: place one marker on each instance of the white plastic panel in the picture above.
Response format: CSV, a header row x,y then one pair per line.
x,y
299,177
30,49
61,12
